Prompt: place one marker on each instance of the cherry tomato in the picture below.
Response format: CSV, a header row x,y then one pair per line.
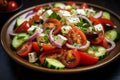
x,y
84,5
25,49
71,58
36,47
48,47
51,22
50,54
12,5
23,27
37,8
87,59
75,35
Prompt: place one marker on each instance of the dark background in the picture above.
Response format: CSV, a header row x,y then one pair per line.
x,y
10,70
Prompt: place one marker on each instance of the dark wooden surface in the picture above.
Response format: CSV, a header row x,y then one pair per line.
x,y
10,70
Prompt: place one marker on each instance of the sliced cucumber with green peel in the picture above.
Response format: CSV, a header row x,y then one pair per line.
x,y
97,51
19,21
19,39
54,63
106,15
111,34
58,4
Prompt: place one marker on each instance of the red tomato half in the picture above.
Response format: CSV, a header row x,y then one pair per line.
x,y
51,23
71,58
50,54
25,49
23,27
12,5
87,59
77,36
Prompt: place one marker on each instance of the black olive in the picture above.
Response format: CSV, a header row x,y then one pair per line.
x,y
107,27
92,35
38,21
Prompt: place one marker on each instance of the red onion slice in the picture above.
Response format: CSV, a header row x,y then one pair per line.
x,y
79,48
29,14
98,15
112,43
85,18
52,39
35,35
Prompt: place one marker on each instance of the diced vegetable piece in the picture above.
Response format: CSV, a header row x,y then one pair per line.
x,y
19,39
53,63
106,15
32,57
59,4
111,34
97,51
19,21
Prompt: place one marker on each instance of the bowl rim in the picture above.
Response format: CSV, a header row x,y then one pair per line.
x,y
38,68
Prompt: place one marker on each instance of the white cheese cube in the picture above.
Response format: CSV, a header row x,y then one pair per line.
x,y
65,29
46,14
63,13
60,39
32,57
68,7
98,27
31,29
80,11
72,20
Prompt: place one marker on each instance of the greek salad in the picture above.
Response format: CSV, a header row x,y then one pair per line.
x,y
64,35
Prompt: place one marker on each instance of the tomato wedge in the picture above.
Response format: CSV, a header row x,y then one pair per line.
x,y
104,43
79,36
51,23
87,59
36,47
23,27
25,49
70,58
50,54
48,47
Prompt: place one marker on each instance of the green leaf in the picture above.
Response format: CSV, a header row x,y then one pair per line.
x,y
54,15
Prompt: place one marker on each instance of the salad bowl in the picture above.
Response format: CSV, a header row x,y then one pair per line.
x,y
7,36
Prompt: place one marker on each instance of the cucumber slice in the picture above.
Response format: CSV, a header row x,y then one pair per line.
x,y
19,39
111,34
106,15
19,21
58,4
97,51
53,63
